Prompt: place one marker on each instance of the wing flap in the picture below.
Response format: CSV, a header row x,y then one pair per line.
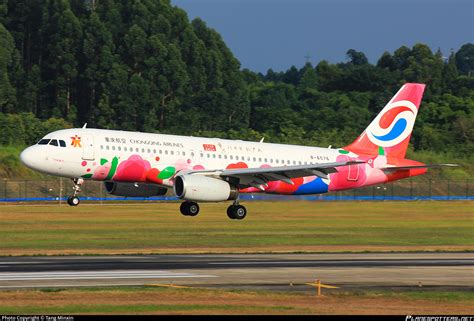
x,y
405,168
258,177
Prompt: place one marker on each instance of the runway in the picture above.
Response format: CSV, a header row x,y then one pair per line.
x,y
277,271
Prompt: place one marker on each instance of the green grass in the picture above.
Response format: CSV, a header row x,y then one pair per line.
x,y
147,300
278,226
140,308
412,294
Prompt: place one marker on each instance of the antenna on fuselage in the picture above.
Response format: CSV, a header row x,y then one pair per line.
x,y
261,140
85,125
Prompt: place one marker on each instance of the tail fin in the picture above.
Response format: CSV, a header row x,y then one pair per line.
x,y
389,133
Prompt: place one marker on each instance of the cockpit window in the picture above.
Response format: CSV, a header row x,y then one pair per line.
x,y
54,142
43,142
62,143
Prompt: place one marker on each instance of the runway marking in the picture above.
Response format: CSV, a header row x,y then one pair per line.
x,y
22,262
87,275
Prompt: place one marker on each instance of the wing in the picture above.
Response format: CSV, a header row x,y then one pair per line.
x,y
256,177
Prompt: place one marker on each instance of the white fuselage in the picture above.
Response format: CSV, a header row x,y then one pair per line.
x,y
95,146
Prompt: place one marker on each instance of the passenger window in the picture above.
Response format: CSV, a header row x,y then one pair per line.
x,y
149,151
143,150
119,148
166,152
62,143
171,152
213,155
113,147
136,149
107,147
192,154
231,157
53,142
43,142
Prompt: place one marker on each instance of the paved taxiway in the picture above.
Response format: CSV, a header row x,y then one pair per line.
x,y
240,270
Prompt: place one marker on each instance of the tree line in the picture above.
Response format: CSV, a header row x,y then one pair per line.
x,y
142,65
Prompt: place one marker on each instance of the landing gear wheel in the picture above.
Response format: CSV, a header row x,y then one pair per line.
x,y
240,212
73,201
230,212
236,212
189,208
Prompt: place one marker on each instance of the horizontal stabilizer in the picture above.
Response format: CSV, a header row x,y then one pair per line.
x,y
402,168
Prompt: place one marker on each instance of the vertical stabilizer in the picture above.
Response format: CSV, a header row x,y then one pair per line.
x,y
389,133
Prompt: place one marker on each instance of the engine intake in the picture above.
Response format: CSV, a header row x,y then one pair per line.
x,y
203,189
134,189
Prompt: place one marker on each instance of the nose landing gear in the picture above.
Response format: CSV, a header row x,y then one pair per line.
x,y
73,200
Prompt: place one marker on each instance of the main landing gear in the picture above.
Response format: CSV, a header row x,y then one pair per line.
x,y
189,208
73,200
235,211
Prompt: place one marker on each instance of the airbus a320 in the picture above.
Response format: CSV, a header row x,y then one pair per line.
x,y
136,164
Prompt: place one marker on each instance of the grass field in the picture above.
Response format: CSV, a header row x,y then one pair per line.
x,y
143,300
269,227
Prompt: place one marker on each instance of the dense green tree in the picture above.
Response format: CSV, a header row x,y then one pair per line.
x,y
356,58
7,91
142,65
97,61
63,31
464,60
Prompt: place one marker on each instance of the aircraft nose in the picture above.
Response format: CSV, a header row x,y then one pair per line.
x,y
28,157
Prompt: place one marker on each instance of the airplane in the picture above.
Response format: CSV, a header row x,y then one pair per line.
x,y
136,164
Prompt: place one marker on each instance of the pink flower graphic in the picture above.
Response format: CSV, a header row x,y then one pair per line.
x,y
133,169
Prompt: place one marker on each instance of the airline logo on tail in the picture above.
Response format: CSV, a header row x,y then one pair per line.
x,y
393,125
391,129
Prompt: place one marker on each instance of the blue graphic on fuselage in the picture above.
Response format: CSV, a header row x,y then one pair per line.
x,y
396,131
314,187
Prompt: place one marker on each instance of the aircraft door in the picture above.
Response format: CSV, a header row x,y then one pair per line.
x,y
88,152
353,173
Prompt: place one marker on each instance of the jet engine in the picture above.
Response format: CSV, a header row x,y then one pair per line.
x,y
134,189
203,188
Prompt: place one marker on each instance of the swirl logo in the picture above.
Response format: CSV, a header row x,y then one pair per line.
x,y
393,124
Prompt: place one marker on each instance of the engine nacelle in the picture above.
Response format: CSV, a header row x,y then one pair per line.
x,y
134,189
201,188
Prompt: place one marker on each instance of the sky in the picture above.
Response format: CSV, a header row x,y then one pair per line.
x,y
277,34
